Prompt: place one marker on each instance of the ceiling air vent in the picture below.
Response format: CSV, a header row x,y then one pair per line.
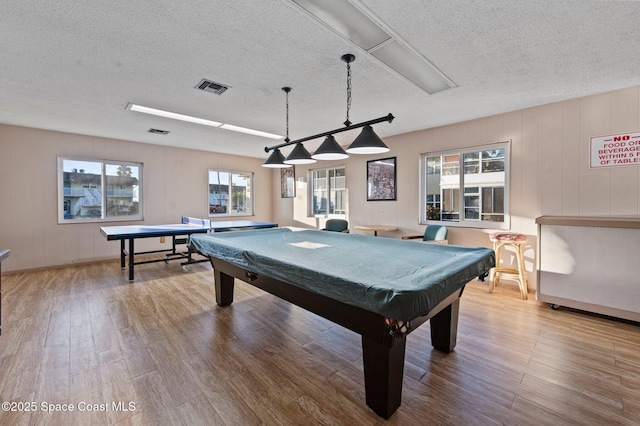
x,y
158,131
212,87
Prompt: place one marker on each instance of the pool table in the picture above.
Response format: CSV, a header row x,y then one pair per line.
x,y
379,288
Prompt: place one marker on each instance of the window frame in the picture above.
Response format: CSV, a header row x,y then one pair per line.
x,y
460,201
104,193
229,212
310,206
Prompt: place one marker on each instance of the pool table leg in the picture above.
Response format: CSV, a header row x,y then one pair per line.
x,y
224,288
383,372
444,327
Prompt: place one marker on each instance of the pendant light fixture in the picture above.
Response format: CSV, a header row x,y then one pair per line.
x,y
275,160
330,150
366,143
299,154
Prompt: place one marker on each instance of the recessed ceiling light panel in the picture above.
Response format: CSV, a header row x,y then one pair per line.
x,y
175,116
352,21
411,66
250,131
344,18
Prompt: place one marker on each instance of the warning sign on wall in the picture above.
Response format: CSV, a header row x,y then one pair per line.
x,y
622,149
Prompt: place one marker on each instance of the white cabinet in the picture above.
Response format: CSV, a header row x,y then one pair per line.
x,y
590,263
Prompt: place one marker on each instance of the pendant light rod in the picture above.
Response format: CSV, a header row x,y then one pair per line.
x,y
388,118
286,90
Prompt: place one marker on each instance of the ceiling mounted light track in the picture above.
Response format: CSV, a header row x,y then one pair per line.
x,y
367,142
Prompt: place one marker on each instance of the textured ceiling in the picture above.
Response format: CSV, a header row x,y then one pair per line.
x,y
73,66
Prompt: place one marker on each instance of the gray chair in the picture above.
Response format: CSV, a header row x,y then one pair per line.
x,y
336,225
433,234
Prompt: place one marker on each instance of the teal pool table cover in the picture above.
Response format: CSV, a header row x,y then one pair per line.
x,y
396,278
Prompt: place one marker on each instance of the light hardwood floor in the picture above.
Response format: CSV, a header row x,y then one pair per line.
x,y
85,335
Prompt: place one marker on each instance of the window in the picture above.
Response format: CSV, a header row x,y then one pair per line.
x,y
475,197
95,190
230,193
329,192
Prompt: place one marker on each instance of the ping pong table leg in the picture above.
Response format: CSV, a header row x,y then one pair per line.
x,y
131,260
122,254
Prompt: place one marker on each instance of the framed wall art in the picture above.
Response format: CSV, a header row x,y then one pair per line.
x,y
381,179
287,182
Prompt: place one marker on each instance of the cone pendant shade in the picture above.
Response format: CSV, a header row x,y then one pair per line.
x,y
275,160
330,150
367,142
299,155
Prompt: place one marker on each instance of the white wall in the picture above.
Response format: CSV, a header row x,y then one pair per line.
x,y
550,175
550,172
174,184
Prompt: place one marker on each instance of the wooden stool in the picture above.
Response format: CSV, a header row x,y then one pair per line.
x,y
519,274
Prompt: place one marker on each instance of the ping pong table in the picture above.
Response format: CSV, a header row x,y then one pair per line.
x,y
381,289
179,233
